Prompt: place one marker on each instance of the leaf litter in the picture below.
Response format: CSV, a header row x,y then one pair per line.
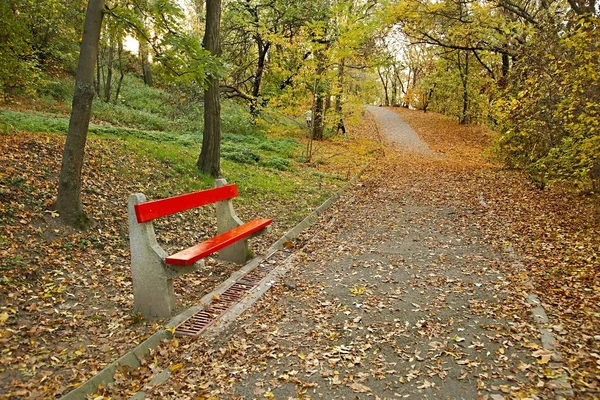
x,y
405,289
66,296
442,303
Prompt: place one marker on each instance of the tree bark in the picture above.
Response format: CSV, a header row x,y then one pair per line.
x,y
464,78
263,49
68,202
338,99
384,82
209,161
109,69
318,127
121,70
144,49
319,93
340,86
145,60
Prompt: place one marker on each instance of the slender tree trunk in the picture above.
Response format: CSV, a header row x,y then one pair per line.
x,y
394,87
109,69
384,82
68,202
464,77
338,98
340,86
145,59
122,73
318,127
263,49
144,50
327,103
209,161
98,81
199,7
505,70
318,121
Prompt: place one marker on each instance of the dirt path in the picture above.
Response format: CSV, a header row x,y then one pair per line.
x,y
395,294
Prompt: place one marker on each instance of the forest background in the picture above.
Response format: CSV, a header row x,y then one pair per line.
x,y
527,72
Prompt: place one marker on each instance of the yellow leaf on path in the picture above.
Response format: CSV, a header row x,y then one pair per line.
x,y
270,396
357,290
176,367
3,317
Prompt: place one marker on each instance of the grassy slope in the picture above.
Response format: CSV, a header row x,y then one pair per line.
x,y
66,296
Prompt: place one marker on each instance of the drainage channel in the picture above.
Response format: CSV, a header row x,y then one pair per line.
x,y
197,323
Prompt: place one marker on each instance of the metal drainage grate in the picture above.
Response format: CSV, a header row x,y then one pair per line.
x,y
198,323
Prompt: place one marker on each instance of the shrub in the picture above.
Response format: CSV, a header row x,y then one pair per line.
x,y
278,163
550,116
240,155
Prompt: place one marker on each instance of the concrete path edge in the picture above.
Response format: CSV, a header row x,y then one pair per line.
x,y
562,387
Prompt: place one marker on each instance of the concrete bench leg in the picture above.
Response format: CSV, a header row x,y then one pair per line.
x,y
237,252
153,295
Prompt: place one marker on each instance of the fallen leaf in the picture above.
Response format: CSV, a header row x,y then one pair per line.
x,y
359,388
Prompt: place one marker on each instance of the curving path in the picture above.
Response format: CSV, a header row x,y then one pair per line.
x,y
399,132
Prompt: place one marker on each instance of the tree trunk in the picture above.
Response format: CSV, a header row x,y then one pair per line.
x,y
340,86
109,69
98,81
464,77
121,70
263,49
209,161
317,131
384,82
199,8
338,99
428,98
144,49
68,202
394,87
505,70
145,59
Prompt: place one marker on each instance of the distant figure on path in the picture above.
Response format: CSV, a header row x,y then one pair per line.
x,y
308,116
341,126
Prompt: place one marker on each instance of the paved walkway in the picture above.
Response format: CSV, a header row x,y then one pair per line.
x,y
398,132
395,298
395,295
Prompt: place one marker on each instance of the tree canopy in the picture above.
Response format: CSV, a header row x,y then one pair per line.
x,y
525,69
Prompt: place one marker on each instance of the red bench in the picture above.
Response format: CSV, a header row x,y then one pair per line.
x,y
153,269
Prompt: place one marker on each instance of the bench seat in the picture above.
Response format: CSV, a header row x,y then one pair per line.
x,y
204,249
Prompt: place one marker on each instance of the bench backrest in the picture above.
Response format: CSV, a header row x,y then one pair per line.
x,y
161,208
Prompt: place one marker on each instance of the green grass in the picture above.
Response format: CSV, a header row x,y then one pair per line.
x,y
253,148
148,122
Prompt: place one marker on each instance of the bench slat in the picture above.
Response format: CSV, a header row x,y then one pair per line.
x,y
201,250
161,208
